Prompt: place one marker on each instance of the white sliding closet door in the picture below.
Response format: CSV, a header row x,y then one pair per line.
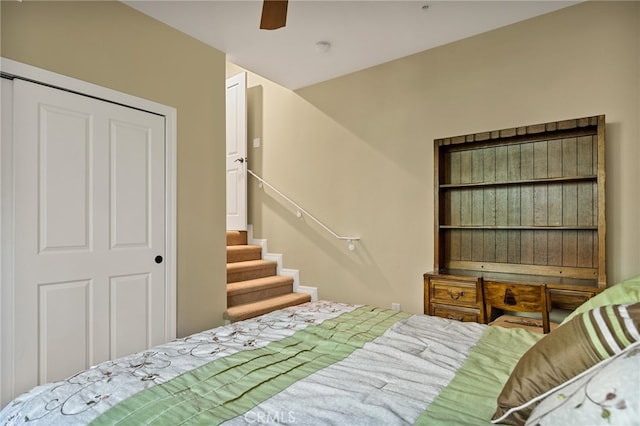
x,y
90,285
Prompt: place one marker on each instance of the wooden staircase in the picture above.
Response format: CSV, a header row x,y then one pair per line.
x,y
253,284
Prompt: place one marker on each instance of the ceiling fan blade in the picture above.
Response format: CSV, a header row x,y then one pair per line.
x,y
274,14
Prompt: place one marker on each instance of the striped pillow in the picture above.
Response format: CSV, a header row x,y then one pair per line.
x,y
611,328
564,353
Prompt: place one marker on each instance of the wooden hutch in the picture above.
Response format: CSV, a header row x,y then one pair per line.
x,y
522,205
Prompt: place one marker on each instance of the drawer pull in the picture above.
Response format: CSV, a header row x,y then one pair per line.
x,y
455,295
453,317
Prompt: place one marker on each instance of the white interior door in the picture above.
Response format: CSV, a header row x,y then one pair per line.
x,y
237,152
89,227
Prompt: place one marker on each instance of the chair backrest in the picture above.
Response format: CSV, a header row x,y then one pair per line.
x,y
516,297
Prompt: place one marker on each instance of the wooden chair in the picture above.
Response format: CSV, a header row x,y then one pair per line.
x,y
516,298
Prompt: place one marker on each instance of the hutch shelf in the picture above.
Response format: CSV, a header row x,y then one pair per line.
x,y
526,205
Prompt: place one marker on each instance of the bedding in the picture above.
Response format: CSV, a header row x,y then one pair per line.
x,y
333,363
317,363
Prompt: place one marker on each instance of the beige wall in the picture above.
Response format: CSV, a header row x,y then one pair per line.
x,y
112,45
357,151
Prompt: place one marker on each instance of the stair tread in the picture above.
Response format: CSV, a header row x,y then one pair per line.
x,y
249,264
241,247
254,309
258,283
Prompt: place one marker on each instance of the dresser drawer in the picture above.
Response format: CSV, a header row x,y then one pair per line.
x,y
453,292
569,299
457,313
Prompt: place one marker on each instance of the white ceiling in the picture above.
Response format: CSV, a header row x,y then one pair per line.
x,y
362,33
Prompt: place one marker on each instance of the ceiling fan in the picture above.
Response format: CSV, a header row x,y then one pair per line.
x,y
274,14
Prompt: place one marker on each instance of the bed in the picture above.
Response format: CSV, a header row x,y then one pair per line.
x,y
335,363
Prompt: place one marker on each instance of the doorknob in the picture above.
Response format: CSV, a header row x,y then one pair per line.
x,y
158,259
241,160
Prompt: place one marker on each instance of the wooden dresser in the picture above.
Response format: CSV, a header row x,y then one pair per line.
x,y
454,297
524,204
458,294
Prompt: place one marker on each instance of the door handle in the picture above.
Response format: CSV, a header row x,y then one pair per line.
x,y
158,259
241,160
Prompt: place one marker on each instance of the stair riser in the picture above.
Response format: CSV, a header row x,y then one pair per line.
x,y
236,238
251,273
259,294
243,254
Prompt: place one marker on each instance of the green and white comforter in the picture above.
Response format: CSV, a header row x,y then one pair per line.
x,y
317,363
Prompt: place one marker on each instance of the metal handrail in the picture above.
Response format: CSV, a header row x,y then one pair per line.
x,y
302,211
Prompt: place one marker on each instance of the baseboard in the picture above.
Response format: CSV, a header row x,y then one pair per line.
x,y
312,291
277,257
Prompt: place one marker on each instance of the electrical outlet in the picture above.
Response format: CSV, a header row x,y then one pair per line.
x,y
395,306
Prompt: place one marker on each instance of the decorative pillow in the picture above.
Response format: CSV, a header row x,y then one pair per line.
x,y
627,291
564,353
608,394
